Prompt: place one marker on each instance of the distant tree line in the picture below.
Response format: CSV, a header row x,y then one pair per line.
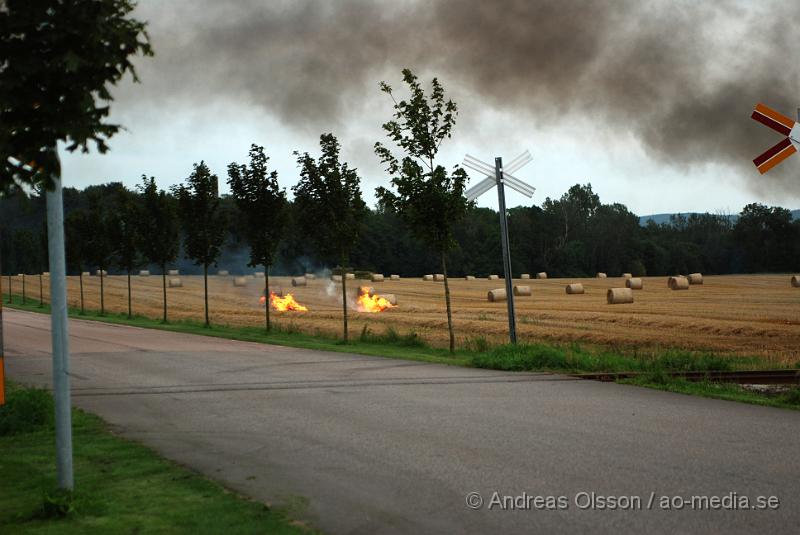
x,y
575,235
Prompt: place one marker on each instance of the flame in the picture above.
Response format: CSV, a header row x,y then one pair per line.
x,y
282,304
371,303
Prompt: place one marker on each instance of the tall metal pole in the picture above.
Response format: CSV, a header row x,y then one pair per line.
x,y
501,197
58,304
2,355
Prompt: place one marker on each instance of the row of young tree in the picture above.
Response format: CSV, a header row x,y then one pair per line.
x,y
110,227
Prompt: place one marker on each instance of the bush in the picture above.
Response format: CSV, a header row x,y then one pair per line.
x,y
26,410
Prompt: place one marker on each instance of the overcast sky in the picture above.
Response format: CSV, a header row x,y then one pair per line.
x,y
648,101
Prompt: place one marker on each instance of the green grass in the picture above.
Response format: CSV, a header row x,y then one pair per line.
x,y
478,352
120,486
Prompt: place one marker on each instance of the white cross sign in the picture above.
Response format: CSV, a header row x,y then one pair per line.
x,y
490,181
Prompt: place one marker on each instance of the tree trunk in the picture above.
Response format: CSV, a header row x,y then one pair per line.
x,y
80,278
41,291
102,295
344,302
205,289
267,303
130,308
164,286
447,302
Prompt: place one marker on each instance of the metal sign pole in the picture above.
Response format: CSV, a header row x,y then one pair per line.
x,y
501,197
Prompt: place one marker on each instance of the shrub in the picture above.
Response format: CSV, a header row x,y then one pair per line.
x,y
26,410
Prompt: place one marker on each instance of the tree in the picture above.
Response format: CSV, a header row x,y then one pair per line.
x,y
430,200
125,235
262,204
99,246
329,195
76,227
203,221
159,228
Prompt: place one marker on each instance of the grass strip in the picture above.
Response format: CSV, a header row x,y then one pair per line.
x,y
121,486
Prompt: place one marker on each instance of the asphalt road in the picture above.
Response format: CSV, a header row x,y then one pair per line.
x,y
389,446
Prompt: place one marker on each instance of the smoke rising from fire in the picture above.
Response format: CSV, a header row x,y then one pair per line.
x,y
680,77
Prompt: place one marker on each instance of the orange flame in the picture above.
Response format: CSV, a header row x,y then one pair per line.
x,y
371,303
282,304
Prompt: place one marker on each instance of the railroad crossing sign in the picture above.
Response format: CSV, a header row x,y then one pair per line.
x,y
783,149
497,176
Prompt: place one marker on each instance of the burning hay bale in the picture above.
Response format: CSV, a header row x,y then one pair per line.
x,y
240,281
391,298
369,301
173,272
493,277
142,273
377,277
695,278
525,276
574,288
223,273
497,295
795,281
438,277
310,276
541,275
601,275
298,281
627,275
522,290
470,277
101,271
175,283
634,283
284,303
678,283
427,277
618,296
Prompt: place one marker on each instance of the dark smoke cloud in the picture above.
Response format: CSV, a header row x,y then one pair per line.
x,y
682,77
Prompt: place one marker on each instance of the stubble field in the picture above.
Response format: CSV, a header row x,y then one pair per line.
x,y
737,314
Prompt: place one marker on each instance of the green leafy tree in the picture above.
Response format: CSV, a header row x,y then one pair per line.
x,y
125,235
159,229
427,197
203,221
329,195
263,207
58,59
99,246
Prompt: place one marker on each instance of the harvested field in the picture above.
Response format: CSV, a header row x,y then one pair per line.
x,y
738,314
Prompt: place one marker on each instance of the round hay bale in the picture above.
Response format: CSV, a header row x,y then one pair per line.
x,y
142,273
173,272
678,283
350,276
298,281
427,277
439,277
258,274
336,278
695,278
493,277
46,273
627,275
617,296
310,276
497,295
522,290
394,277
377,277
574,288
541,275
240,281
525,276
391,298
223,273
84,273
634,283
99,271
469,278
369,290
796,281
175,283
601,275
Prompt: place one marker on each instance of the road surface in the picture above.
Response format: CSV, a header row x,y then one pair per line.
x,y
389,446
